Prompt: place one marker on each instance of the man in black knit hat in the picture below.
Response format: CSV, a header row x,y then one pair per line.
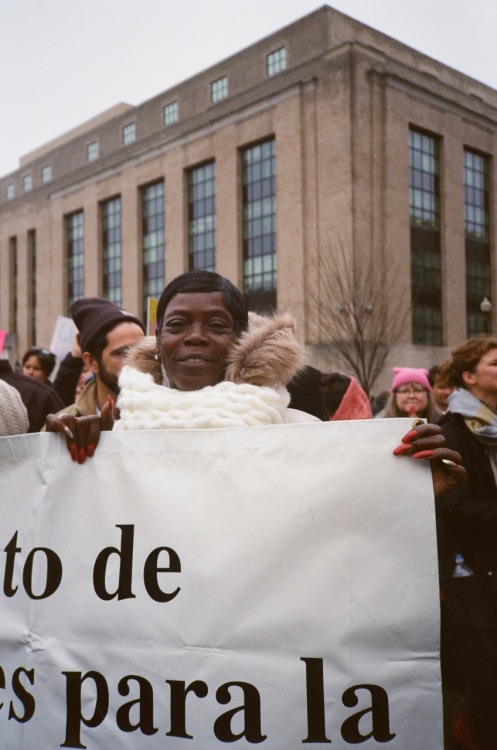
x,y
105,334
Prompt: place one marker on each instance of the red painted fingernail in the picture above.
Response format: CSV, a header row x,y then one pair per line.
x,y
110,401
74,452
401,449
81,456
424,454
90,450
409,436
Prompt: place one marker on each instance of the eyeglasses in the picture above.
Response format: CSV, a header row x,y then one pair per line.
x,y
404,390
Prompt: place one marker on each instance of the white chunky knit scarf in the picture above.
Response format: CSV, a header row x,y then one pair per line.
x,y
145,405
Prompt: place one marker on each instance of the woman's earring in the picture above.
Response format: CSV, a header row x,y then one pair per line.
x,y
156,355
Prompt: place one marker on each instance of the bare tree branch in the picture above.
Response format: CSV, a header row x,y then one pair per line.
x,y
357,311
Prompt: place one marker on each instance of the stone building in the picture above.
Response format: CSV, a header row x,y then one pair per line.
x,y
326,134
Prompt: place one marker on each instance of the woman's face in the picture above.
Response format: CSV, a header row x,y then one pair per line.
x,y
411,395
482,382
32,368
196,337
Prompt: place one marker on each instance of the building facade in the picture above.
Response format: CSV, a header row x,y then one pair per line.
x,y
326,133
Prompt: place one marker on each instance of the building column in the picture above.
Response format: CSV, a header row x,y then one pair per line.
x,y
452,240
229,261
131,248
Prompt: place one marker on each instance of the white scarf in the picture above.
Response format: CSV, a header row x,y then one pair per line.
x,y
145,405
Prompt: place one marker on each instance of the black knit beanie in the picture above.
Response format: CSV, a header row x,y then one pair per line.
x,y
95,316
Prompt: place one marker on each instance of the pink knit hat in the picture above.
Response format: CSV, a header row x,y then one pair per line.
x,y
403,375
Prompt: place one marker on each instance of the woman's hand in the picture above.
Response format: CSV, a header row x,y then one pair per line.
x,y
82,433
426,441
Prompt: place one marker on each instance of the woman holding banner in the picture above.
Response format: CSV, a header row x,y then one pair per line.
x,y
213,364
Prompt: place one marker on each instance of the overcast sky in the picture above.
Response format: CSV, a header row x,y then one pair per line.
x,y
65,61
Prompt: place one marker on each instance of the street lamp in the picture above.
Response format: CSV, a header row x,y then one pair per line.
x,y
486,309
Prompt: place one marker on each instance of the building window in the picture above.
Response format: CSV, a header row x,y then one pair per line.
x,y
477,231
153,242
32,282
259,225
171,113
202,217
46,173
129,133
75,238
219,89
92,151
13,280
10,191
112,251
27,183
276,61
424,199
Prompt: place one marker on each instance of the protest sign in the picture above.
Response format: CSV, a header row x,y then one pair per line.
x,y
197,588
62,339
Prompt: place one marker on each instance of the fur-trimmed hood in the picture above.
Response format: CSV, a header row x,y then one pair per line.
x,y
266,354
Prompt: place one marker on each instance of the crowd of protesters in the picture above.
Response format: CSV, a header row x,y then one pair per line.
x,y
94,382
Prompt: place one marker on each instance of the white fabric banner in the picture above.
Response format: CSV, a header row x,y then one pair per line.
x,y
201,588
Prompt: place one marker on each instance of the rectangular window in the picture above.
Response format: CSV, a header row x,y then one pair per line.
x,y
276,61
10,191
202,217
27,183
46,173
129,133
219,89
170,113
75,238
112,251
424,200
477,231
153,242
32,281
92,151
259,225
13,311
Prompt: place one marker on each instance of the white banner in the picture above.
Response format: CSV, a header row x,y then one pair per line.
x,y
196,589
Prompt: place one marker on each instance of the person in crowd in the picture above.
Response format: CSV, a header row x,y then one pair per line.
x,y
39,398
379,402
467,525
344,398
306,393
205,342
212,365
441,385
105,334
13,414
410,395
38,363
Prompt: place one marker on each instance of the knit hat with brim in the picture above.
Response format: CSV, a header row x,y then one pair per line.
x,y
404,375
95,316
13,413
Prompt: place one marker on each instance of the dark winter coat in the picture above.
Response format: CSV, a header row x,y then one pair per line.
x,y
467,523
467,516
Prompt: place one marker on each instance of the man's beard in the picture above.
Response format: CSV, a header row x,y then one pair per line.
x,y
107,379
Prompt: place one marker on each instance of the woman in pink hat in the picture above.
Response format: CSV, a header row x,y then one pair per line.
x,y
411,395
